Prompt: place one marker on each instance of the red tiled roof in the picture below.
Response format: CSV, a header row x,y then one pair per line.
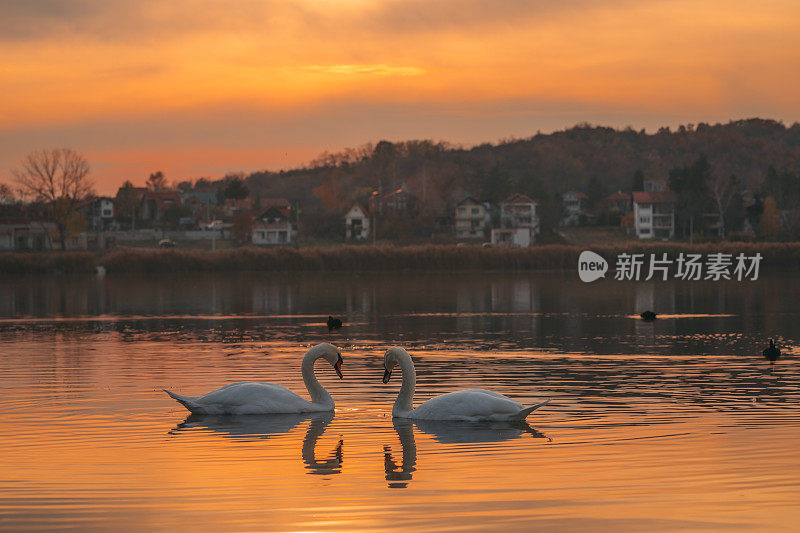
x,y
518,198
658,197
617,196
579,194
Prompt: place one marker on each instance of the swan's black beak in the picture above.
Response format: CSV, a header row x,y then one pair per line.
x,y
338,367
386,375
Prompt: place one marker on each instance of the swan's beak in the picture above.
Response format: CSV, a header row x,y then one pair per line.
x,y
386,375
338,367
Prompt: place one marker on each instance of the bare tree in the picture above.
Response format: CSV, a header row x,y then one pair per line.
x,y
157,181
57,178
723,190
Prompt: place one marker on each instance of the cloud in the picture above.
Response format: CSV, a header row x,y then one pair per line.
x,y
374,70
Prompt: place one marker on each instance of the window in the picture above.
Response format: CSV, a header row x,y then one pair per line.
x,y
474,210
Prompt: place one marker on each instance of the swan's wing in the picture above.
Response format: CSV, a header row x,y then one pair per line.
x,y
470,404
249,393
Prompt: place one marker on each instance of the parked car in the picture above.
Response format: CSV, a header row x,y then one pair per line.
x,y
166,243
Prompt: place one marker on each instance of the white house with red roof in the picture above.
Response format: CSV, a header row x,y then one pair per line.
x,y
654,214
519,222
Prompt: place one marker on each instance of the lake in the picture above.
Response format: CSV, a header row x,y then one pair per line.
x,y
676,424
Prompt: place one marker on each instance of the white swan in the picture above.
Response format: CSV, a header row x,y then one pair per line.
x,y
467,405
253,398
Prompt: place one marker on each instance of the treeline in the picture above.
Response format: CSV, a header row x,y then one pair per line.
x,y
594,160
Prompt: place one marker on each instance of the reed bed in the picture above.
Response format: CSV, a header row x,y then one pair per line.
x,y
426,257
47,263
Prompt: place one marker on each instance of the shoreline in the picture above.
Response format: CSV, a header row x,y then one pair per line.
x,y
430,257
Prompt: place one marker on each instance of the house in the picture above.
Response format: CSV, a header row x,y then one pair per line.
x,y
618,202
654,214
655,185
199,203
234,206
22,235
574,206
512,237
99,212
472,219
519,222
272,227
356,223
155,204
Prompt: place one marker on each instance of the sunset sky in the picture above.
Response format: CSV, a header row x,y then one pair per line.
x,y
200,88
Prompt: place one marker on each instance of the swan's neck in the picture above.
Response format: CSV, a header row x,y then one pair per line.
x,y
405,399
315,389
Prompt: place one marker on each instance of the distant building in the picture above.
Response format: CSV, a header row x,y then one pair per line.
x,y
472,219
155,204
22,235
655,185
574,206
199,203
99,212
512,237
272,227
356,223
618,202
519,222
654,214
234,206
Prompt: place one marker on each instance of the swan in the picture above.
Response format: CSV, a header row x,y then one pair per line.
x,y
254,398
467,405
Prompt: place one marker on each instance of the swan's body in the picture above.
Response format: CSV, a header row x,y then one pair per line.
x,y
772,353
255,398
466,405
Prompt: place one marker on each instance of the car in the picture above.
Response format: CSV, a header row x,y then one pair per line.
x,y
166,243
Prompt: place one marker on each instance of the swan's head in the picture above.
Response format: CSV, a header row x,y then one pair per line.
x,y
391,360
330,353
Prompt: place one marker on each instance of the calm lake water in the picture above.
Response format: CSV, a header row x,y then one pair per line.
x,y
678,424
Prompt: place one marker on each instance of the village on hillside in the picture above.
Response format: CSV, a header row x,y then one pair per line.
x,y
585,185
168,217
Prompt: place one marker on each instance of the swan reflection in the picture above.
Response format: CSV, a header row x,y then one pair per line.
x,y
256,427
445,432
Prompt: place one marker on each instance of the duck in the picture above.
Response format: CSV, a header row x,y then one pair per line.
x,y
465,405
333,323
648,316
256,398
772,353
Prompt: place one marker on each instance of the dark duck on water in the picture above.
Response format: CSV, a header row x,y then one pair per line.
x,y
333,323
771,354
648,316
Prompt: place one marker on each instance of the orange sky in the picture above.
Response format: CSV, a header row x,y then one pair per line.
x,y
197,88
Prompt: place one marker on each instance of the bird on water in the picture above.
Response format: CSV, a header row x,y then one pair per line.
x,y
333,323
648,316
772,353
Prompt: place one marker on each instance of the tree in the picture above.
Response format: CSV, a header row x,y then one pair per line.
x,y
722,191
126,201
690,183
236,189
769,225
242,228
638,180
157,181
58,178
